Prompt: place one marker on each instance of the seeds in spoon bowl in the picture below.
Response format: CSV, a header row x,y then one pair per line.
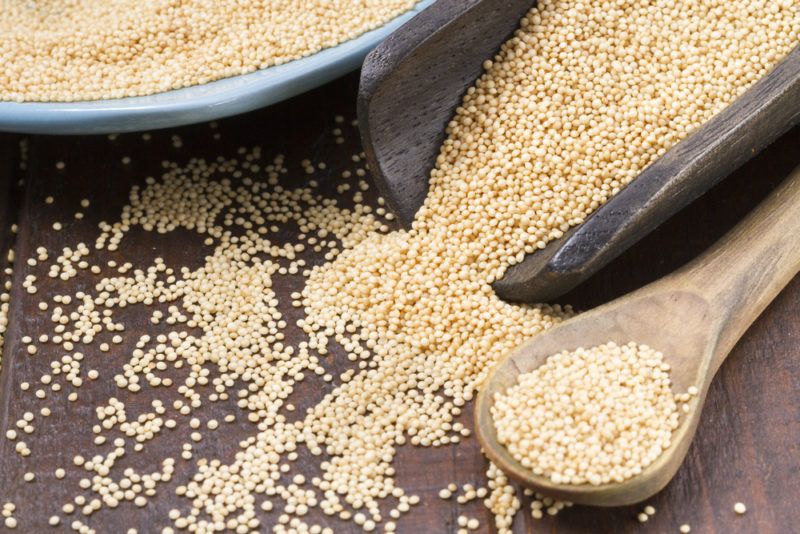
x,y
590,416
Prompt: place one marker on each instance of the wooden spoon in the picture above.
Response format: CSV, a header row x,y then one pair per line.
x,y
413,81
694,317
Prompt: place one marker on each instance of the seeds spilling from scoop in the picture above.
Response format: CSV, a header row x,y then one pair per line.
x,y
395,330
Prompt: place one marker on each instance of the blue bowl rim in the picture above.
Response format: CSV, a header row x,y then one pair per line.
x,y
214,100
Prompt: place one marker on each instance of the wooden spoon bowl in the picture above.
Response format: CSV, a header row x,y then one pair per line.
x,y
643,319
694,317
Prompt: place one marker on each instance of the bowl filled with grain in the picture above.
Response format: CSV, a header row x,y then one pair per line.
x,y
94,66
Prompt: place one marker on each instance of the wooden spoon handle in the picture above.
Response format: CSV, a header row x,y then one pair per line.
x,y
743,272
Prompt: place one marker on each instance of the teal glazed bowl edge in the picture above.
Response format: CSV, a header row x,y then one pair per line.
x,y
214,100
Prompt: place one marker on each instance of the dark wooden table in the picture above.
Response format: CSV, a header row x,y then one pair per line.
x,y
746,448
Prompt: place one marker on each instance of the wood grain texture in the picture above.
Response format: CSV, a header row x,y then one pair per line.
x,y
11,173
10,188
412,83
747,448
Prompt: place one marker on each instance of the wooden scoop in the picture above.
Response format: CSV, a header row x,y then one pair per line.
x,y
694,317
413,81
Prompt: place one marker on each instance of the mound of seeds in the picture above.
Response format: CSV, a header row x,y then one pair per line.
x,y
574,106
67,50
590,416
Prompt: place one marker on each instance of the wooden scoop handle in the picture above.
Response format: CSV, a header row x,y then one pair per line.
x,y
747,126
746,269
